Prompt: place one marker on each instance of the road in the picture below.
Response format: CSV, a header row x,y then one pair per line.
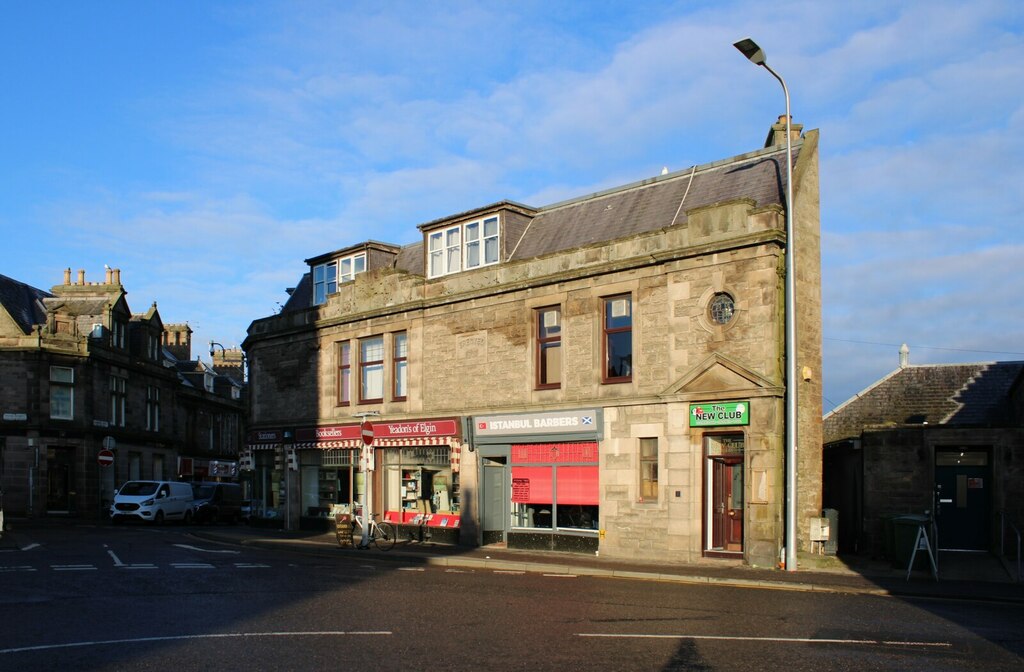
x,y
133,597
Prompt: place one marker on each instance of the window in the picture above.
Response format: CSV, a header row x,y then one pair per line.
x,y
62,393
401,365
118,400
555,486
350,266
648,470
327,276
371,369
344,373
325,281
117,334
617,339
721,308
153,408
549,347
465,246
153,347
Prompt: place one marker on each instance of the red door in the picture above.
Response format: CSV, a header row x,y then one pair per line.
x,y
727,504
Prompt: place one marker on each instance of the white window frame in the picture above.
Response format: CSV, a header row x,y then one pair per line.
x,y
153,408
62,378
118,400
465,246
334,273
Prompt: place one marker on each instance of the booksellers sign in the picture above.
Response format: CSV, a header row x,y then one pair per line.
x,y
720,414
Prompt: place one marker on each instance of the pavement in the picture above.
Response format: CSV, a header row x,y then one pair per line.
x,y
963,576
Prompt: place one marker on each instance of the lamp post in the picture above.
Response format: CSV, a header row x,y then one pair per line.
x,y
756,56
224,351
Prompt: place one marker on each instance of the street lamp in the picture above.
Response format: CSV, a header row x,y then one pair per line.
x,y
756,56
224,350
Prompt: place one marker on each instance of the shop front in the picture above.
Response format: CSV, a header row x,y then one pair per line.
x,y
414,484
539,479
261,470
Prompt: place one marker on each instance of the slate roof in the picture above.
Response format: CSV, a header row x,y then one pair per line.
x,y
621,212
961,395
23,303
653,204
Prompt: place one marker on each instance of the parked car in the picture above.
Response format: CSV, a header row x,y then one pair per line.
x,y
152,501
217,502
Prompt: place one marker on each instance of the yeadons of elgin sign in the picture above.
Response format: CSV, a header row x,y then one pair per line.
x,y
720,413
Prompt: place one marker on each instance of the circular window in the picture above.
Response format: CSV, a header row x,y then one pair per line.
x,y
721,308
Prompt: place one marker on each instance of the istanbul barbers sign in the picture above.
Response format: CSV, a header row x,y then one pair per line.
x,y
587,421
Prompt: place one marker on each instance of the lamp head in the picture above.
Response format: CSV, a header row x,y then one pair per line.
x,y
750,49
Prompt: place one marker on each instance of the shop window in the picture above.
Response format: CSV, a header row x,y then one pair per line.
x,y
420,487
648,470
371,369
344,373
562,494
617,341
400,365
62,393
549,347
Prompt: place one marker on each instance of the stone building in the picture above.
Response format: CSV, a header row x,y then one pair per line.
x,y
604,374
81,375
942,440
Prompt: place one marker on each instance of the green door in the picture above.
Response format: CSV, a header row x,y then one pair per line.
x,y
963,486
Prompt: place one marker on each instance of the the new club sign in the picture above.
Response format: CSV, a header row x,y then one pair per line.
x,y
720,413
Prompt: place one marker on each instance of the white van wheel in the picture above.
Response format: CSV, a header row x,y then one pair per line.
x,y
158,519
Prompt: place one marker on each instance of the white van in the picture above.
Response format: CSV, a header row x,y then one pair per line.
x,y
152,501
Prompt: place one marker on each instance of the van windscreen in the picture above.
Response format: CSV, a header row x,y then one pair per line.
x,y
138,488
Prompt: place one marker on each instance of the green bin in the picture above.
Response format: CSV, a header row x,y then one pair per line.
x,y
904,535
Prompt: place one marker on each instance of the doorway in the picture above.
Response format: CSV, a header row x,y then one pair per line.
x,y
724,499
59,479
495,495
963,480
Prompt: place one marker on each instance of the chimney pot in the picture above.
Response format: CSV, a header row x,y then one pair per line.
x,y
904,356
67,276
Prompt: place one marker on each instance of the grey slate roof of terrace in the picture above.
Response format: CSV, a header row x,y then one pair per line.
x,y
23,303
652,204
962,395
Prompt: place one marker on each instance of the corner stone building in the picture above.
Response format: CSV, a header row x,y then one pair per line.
x,y
80,374
602,375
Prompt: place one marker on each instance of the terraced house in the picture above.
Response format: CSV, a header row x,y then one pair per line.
x,y
604,374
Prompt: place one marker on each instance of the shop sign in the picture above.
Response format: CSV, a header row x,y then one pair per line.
x,y
265,436
720,414
381,430
585,421
15,417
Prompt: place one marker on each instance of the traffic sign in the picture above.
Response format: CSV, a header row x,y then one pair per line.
x,y
105,458
366,429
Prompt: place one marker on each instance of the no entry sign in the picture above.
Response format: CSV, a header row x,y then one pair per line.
x,y
105,458
366,429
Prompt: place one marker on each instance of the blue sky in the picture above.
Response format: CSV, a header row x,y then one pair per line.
x,y
207,148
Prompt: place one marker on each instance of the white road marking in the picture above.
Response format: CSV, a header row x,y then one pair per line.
x,y
228,635
207,550
779,640
561,576
410,569
18,568
30,547
508,571
191,565
250,565
73,568
117,560
139,565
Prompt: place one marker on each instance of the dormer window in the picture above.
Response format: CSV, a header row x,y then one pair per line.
x,y
327,276
465,246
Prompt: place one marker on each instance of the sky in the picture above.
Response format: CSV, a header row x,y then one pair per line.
x,y
207,148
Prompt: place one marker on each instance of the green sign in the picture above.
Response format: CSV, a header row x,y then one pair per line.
x,y
720,413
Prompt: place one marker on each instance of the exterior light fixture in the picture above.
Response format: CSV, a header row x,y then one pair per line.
x,y
755,55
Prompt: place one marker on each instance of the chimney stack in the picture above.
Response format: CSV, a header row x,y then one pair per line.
x,y
904,356
81,276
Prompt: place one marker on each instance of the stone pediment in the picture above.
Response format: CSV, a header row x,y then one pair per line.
x,y
720,376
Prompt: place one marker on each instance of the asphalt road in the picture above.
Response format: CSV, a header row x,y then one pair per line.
x,y
143,598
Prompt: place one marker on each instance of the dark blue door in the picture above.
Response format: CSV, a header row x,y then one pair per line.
x,y
963,482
